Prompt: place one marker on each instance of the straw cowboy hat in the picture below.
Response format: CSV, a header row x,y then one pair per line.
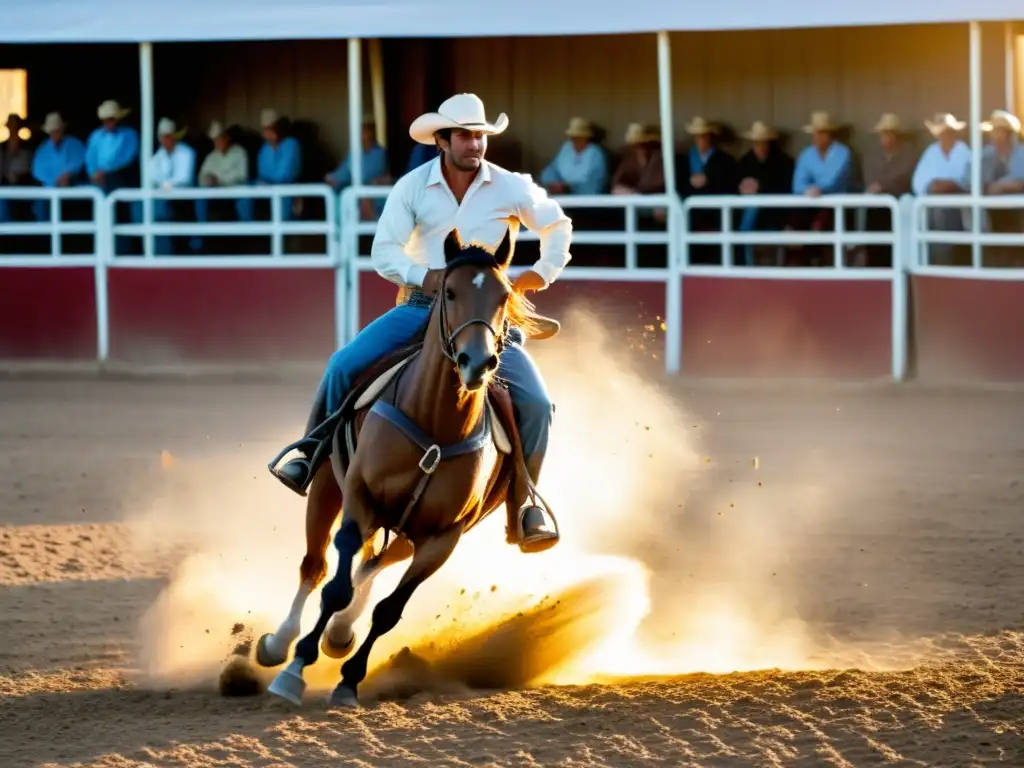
x,y
111,110
699,127
216,130
463,110
761,131
820,121
579,128
638,133
889,123
269,118
1002,119
167,127
943,122
53,122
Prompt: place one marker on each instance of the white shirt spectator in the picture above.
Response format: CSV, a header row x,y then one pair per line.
x,y
421,210
176,168
936,164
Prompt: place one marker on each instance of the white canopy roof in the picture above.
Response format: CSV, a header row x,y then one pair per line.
x,y
133,21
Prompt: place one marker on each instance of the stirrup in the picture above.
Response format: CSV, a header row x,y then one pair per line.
x,y
542,540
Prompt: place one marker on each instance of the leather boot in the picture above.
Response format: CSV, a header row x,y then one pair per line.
x,y
297,473
538,534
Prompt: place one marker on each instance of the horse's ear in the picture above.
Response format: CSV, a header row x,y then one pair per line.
x,y
503,256
452,246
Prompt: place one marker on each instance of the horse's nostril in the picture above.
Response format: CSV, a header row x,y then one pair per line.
x,y
462,360
492,362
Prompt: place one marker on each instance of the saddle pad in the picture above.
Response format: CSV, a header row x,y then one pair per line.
x,y
500,437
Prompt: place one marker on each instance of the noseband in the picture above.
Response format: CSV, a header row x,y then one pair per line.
x,y
448,337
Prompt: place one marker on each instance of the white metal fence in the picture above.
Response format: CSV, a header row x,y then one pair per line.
x,y
340,229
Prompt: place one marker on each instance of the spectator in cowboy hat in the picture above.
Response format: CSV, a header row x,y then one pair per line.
x,y
944,168
888,170
374,170
824,168
765,169
112,150
279,160
172,166
641,171
580,167
1002,173
705,169
59,161
226,166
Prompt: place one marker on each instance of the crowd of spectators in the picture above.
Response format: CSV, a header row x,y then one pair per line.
x,y
583,165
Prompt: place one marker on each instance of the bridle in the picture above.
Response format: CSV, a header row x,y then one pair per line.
x,y
448,337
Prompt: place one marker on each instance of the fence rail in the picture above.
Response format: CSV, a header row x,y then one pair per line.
x,y
341,229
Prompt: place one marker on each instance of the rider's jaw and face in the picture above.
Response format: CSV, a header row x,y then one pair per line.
x,y
463,150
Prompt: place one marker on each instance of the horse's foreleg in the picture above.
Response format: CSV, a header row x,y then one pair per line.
x,y
322,509
335,596
430,555
339,639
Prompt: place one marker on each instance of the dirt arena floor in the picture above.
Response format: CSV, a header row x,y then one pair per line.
x,y
884,528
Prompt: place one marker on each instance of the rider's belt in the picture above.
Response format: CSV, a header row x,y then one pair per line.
x,y
418,299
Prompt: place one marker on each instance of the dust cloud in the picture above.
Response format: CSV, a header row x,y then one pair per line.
x,y
666,564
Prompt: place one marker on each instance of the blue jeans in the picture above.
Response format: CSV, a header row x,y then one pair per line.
x,y
397,327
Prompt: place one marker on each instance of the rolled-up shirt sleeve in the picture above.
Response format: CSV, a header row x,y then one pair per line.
x,y
394,229
545,216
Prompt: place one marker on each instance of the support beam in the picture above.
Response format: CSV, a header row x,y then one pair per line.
x,y
975,129
380,115
674,289
1010,67
147,131
355,108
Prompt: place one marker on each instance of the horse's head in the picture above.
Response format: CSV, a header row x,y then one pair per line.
x,y
475,302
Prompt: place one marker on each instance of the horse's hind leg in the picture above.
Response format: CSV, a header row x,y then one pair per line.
x,y
322,509
339,640
335,596
430,555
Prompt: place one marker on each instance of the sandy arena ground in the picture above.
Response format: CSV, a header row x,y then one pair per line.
x,y
875,558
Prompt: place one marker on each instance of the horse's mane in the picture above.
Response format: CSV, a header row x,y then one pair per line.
x,y
519,309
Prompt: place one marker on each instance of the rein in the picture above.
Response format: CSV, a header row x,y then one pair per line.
x,y
448,337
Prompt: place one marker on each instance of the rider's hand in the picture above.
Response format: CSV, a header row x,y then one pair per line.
x,y
432,281
529,281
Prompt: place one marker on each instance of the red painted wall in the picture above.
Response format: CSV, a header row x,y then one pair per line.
x,y
253,315
48,313
967,329
749,327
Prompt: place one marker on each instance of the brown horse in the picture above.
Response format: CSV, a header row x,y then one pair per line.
x,y
429,450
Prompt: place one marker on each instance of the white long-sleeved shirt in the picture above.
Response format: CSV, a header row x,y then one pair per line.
x,y
173,169
936,164
421,210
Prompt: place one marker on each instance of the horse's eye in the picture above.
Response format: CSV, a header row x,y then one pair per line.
x,y
449,294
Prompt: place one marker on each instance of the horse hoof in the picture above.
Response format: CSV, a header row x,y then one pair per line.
x,y
289,686
343,696
264,657
336,651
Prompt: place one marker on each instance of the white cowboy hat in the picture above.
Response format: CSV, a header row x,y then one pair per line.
x,y
944,121
820,121
269,118
1002,119
579,128
53,122
888,123
464,110
761,131
638,133
699,127
111,110
167,127
216,130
